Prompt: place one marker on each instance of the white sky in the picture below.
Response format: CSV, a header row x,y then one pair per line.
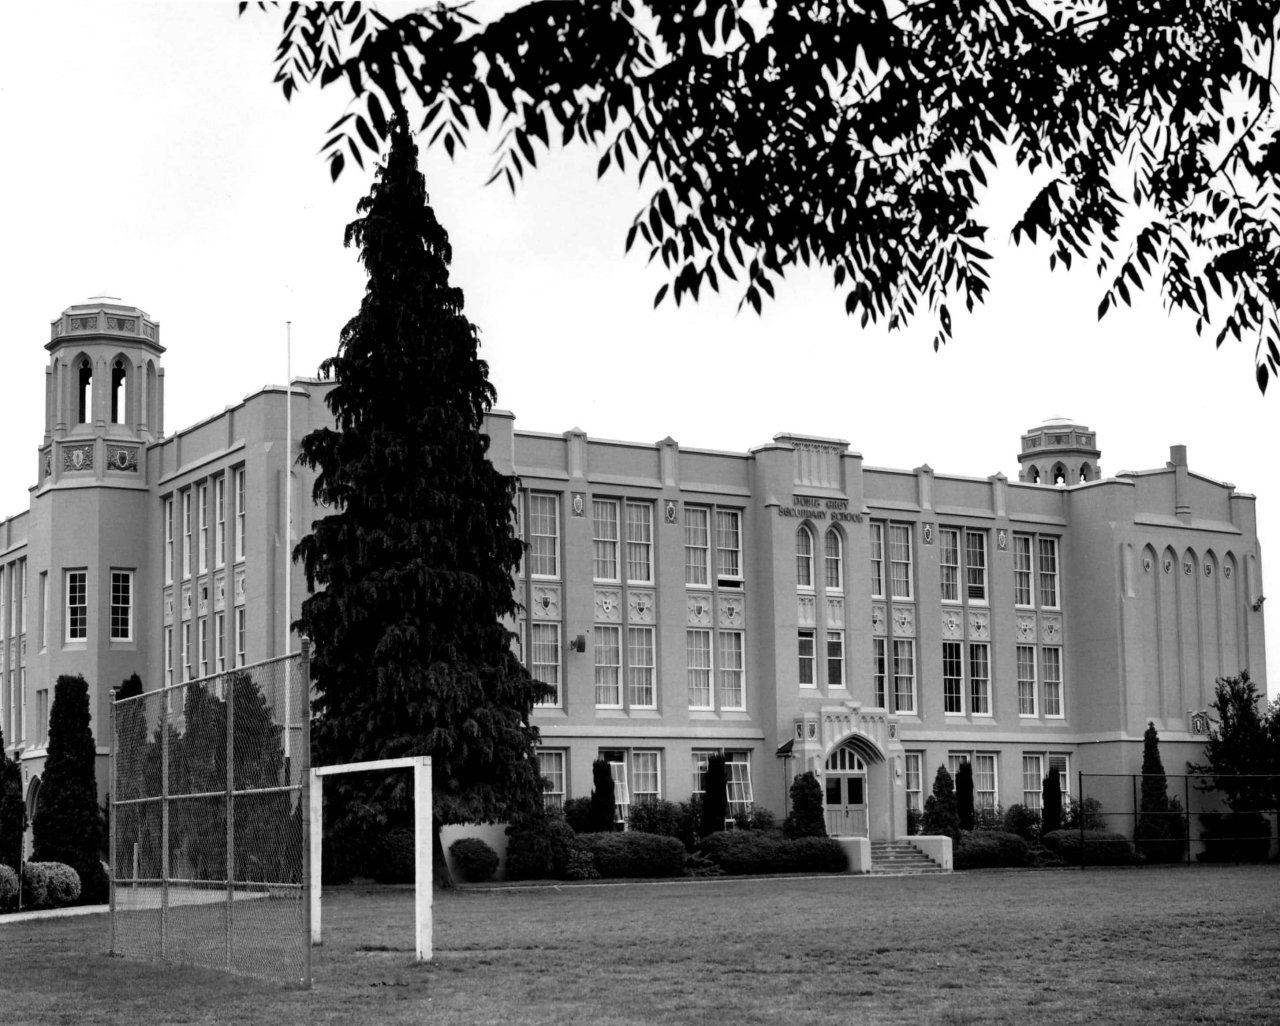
x,y
147,155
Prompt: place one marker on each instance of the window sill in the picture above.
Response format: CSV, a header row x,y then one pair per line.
x,y
75,646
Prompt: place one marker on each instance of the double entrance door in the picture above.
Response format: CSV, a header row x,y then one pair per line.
x,y
846,787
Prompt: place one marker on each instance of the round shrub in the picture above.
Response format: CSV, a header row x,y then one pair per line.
x,y
1101,848
539,847
740,852
632,854
95,885
986,849
1024,822
476,861
660,817
815,855
577,813
8,886
49,884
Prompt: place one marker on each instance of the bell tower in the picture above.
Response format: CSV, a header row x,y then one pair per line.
x,y
1059,452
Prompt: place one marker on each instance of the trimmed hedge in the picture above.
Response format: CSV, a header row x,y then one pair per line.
x,y
1234,837
985,849
49,884
633,854
540,848
1102,848
476,861
8,886
739,852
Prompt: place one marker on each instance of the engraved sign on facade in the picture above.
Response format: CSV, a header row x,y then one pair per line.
x,y
812,508
835,612
804,610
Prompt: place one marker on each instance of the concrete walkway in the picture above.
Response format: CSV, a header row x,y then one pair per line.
x,y
53,913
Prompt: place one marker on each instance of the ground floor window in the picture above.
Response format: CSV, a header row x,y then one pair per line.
x,y
914,765
878,671
737,776
645,786
551,768
1032,781
985,783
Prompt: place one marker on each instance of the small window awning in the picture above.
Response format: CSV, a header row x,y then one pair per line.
x,y
784,750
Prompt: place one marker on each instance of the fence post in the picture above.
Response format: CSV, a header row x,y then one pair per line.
x,y
166,698
310,849
112,809
1080,792
1186,813
1133,787
231,811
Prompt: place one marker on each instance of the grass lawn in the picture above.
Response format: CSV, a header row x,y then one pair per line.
x,y
1161,945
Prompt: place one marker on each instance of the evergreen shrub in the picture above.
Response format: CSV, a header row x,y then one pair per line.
x,y
395,858
985,849
603,798
49,884
476,861
754,852
1234,837
539,847
964,795
915,819
1024,822
807,817
1051,802
1160,833
8,887
755,817
1101,848
940,817
660,817
577,813
631,854
715,800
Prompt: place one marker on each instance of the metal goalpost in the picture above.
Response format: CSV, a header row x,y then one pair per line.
x,y
421,766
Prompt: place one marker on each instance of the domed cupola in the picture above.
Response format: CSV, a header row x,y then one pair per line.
x,y
1059,452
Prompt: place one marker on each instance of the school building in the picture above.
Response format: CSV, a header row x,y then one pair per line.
x,y
789,606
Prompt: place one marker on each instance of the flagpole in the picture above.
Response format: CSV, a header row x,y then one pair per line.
x,y
288,531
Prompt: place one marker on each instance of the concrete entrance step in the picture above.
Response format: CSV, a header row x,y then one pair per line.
x,y
900,858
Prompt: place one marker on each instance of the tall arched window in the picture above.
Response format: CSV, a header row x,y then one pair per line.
x,y
119,392
834,561
804,557
84,405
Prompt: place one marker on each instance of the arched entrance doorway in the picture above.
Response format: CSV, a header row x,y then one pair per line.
x,y
846,793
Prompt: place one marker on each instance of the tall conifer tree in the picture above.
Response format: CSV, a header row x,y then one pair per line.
x,y
13,810
413,570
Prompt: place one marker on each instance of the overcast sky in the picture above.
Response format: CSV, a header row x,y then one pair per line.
x,y
147,155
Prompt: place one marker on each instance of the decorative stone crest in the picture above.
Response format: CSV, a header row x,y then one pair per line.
x,y
77,457
979,625
1025,627
578,504
1208,569
546,601
220,591
952,624
893,731
669,511
927,533
1146,564
730,611
129,324
641,606
89,323
186,601
878,619
168,606
1051,630
237,588
804,610
1200,722
1168,565
1186,567
47,463
904,621
203,602
120,457
698,611
1226,570
1002,539
835,612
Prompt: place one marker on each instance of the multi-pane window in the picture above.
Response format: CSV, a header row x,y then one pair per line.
x,y
877,560
834,561
984,780
168,541
975,565
1060,763
220,521
186,650
805,677
640,542
1052,661
904,676
621,792
544,661
645,785
733,691
121,605
698,654
43,611
240,636
220,641
879,671
640,691
804,557
608,650
914,765
980,679
728,547
700,757
949,563
737,782
1032,781
899,561
1021,570
544,535
168,655
204,646
551,769
604,529
835,659
186,533
697,545
22,612
77,590
42,717
202,501
240,513
952,679
1049,572
1026,680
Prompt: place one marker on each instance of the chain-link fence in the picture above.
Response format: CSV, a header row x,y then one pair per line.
x,y
1180,817
209,845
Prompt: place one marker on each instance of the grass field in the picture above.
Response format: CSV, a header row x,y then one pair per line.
x,y
1161,945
